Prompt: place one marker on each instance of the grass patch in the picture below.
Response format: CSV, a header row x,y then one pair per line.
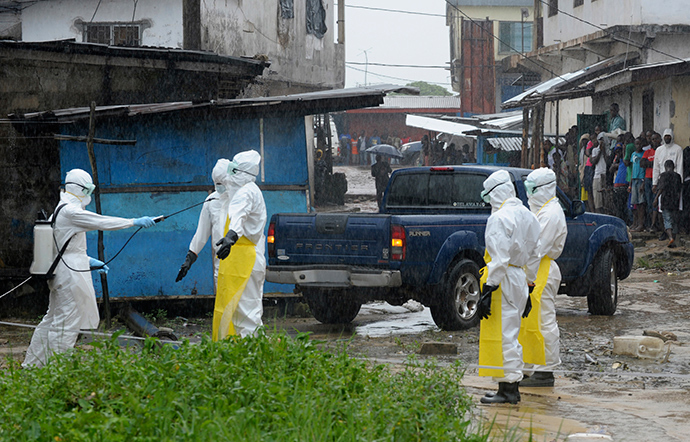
x,y
264,388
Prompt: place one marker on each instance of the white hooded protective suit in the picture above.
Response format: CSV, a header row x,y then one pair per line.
x,y
511,238
554,229
213,214
670,151
72,304
239,311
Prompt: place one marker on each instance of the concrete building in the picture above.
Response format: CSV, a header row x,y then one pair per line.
x,y
482,33
594,53
298,37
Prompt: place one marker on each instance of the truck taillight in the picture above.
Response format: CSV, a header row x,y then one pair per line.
x,y
271,240
398,243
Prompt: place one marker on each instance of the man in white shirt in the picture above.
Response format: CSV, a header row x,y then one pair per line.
x,y
598,160
667,151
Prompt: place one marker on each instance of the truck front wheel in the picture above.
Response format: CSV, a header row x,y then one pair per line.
x,y
335,306
456,306
603,297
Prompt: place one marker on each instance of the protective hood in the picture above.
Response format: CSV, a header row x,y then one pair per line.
x,y
246,169
76,181
499,188
541,187
219,174
668,131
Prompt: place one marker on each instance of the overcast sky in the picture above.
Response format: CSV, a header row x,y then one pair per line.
x,y
396,38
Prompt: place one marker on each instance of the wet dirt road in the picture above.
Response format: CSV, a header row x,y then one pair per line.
x,y
596,392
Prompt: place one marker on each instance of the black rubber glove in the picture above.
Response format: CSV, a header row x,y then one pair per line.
x,y
485,300
528,307
225,244
188,261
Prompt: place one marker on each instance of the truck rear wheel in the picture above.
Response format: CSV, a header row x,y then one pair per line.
x,y
335,306
603,297
456,307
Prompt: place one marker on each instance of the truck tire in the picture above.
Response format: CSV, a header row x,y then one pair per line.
x,y
332,306
603,297
456,306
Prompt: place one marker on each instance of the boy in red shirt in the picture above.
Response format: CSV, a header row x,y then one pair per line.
x,y
648,163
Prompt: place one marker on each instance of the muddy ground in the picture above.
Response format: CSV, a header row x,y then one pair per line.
x,y
596,392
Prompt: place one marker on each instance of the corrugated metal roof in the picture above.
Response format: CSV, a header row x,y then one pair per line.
x,y
512,144
298,104
148,52
571,84
643,73
421,102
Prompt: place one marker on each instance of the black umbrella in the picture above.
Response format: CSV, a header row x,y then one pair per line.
x,y
385,150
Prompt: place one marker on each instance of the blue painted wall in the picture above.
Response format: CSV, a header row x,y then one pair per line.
x,y
175,150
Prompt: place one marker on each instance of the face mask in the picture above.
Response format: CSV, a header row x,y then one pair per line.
x,y
233,168
86,189
485,193
531,187
86,201
220,188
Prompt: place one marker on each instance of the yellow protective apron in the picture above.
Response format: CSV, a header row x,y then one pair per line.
x,y
490,331
233,274
530,337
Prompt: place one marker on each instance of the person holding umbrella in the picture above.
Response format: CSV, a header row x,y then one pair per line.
x,y
381,171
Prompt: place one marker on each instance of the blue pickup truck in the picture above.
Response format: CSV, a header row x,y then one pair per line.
x,y
427,243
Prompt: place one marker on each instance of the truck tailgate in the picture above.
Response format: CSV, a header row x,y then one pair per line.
x,y
326,238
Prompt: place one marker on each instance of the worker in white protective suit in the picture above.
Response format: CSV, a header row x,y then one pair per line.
x,y
511,238
211,221
242,270
543,352
72,304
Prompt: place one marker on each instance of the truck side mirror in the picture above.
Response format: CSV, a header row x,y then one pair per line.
x,y
577,208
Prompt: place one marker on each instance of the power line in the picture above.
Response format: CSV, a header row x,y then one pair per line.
x,y
396,78
612,34
428,14
398,65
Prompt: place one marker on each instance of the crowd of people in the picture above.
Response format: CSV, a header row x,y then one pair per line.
x,y
643,180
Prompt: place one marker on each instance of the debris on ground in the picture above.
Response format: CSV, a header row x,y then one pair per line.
x,y
664,335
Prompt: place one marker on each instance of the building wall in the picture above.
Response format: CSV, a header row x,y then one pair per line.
x,y
479,11
680,120
300,62
59,19
568,111
495,13
604,13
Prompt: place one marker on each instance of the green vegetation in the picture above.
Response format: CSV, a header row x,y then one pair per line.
x,y
273,387
429,89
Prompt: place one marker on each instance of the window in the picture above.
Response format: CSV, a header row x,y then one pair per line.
x,y
438,189
577,3
553,7
114,34
514,37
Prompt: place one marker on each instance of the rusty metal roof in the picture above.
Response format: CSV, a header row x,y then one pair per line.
x,y
70,46
310,103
